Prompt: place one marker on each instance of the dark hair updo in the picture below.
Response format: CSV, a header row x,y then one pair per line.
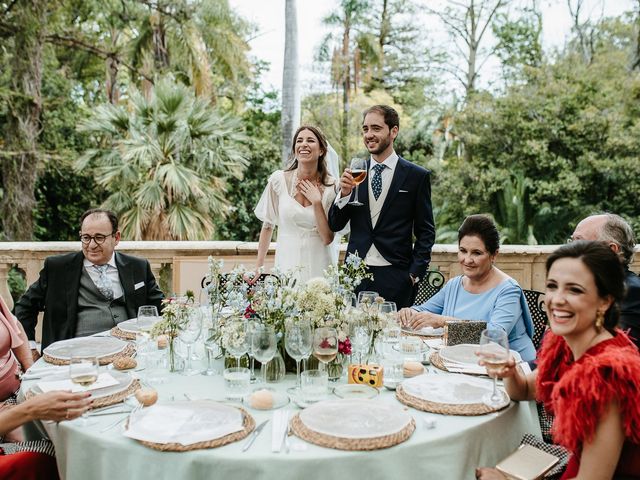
x,y
483,227
604,265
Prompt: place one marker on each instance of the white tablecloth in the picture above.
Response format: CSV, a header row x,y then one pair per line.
x,y
451,450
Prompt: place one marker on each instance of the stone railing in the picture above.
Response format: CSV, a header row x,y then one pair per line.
x,y
181,265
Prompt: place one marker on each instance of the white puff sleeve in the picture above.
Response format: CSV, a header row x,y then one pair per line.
x,y
267,208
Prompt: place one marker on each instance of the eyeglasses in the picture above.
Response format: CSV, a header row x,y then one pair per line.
x,y
98,238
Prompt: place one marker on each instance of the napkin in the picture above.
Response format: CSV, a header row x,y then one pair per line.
x,y
184,425
280,425
44,370
456,367
104,380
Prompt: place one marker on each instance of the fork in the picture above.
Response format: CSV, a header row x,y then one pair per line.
x,y
118,422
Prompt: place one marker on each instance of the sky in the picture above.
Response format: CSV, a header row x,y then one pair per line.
x,y
268,44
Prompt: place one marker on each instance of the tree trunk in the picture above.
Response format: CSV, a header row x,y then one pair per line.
x,y
19,166
346,88
290,80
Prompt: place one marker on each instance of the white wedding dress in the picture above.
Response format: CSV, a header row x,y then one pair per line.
x,y
299,246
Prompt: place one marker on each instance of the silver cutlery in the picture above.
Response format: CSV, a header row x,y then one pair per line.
x,y
253,436
115,424
285,436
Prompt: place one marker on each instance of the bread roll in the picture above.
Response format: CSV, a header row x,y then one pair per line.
x,y
124,363
412,369
261,400
147,396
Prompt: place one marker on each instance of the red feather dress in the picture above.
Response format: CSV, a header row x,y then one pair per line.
x,y
579,392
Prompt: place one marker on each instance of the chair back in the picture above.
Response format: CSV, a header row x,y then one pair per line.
x,y
224,278
535,302
429,286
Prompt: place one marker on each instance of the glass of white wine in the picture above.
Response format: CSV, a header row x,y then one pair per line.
x,y
83,371
325,345
358,168
494,352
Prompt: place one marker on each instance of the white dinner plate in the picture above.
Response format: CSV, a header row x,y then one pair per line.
x,y
185,422
124,380
130,326
449,389
351,418
465,353
425,332
86,347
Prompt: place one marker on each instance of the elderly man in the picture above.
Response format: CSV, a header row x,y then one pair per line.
x,y
90,291
614,230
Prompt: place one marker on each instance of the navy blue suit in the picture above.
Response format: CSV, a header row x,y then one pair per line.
x,y
406,213
630,307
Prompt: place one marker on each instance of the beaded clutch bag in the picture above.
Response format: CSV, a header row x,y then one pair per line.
x,y
463,331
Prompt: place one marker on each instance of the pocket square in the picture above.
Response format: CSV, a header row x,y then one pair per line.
x,y
138,285
403,191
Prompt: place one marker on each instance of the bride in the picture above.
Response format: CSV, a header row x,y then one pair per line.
x,y
297,200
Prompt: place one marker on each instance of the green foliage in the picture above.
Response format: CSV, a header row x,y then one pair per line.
x,y
165,161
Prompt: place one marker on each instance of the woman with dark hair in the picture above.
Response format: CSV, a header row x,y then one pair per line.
x,y
297,200
15,354
588,369
482,292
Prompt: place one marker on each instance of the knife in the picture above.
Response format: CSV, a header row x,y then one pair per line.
x,y
254,435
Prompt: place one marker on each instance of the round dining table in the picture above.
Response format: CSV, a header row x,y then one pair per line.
x,y
442,446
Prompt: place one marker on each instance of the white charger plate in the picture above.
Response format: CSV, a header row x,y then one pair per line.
x,y
86,347
186,422
449,389
352,418
425,332
465,353
124,380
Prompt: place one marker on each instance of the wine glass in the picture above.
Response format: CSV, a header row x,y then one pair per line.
x,y
263,346
298,342
211,347
188,332
147,317
366,300
360,336
325,345
358,168
241,342
83,371
494,352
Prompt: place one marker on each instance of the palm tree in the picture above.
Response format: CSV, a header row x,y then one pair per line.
x,y
290,80
165,159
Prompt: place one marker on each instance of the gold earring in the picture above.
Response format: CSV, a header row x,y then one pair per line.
x,y
599,320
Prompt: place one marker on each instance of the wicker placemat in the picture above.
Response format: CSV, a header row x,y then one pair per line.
x,y
301,430
248,423
127,351
106,400
444,408
121,334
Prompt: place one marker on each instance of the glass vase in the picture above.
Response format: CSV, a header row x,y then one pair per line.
x,y
335,367
275,368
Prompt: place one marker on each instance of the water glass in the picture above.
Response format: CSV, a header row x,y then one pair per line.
x,y
393,371
298,342
360,336
188,332
212,349
315,385
263,347
236,381
366,299
147,317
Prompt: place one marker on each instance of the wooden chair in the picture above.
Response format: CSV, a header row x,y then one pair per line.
x,y
535,302
429,286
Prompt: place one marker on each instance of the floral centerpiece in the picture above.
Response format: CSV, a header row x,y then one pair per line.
x,y
175,314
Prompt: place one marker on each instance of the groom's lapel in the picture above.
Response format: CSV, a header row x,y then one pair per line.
x,y
396,182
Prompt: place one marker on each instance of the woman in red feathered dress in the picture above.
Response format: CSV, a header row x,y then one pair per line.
x,y
588,370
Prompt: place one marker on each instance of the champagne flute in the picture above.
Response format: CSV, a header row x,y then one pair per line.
x,y
325,345
263,346
211,346
358,168
494,352
298,342
83,371
188,332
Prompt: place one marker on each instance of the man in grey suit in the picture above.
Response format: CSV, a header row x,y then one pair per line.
x,y
90,291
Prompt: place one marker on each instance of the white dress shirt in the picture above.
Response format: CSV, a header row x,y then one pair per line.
x,y
112,273
373,257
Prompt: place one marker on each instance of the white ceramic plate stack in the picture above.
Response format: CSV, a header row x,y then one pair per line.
x,y
124,380
184,423
463,359
101,347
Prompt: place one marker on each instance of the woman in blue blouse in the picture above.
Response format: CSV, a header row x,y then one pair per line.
x,y
482,292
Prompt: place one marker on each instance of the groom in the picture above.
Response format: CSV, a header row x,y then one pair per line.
x,y
396,197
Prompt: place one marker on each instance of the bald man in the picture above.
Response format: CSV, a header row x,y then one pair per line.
x,y
614,230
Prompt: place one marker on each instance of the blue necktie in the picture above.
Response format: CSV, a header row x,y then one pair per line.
x,y
376,181
104,282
